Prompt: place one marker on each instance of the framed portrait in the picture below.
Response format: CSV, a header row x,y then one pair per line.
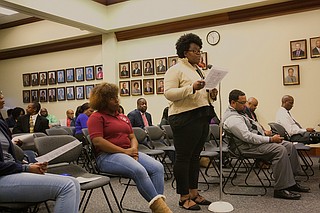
x,y
26,96
89,70
61,93
52,77
124,88
291,75
70,74
136,87
79,92
136,68
172,60
43,95
52,94
61,76
148,86
161,65
298,49
160,85
99,72
26,79
35,79
315,47
124,70
34,95
70,93
43,78
79,74
203,61
148,67
88,90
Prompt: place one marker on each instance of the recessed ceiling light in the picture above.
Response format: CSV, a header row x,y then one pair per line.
x,y
6,11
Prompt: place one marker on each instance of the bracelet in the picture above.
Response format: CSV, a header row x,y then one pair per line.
x,y
25,168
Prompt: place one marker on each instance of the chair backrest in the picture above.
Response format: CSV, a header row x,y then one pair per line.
x,y
70,129
56,131
155,133
50,143
280,130
18,152
85,132
169,134
142,137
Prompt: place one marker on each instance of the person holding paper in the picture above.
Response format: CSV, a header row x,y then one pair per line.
x,y
190,111
29,183
116,147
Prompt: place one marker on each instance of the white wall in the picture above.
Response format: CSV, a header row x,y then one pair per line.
x,y
253,52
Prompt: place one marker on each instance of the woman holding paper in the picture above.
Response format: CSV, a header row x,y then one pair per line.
x,y
190,111
29,183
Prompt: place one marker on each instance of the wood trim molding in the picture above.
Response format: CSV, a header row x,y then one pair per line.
x,y
20,22
52,47
267,11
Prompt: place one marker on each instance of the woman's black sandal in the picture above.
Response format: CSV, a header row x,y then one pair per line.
x,y
194,207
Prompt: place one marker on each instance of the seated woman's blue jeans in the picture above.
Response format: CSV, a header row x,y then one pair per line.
x,y
29,187
147,173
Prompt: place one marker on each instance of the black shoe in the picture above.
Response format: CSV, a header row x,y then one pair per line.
x,y
201,200
285,194
298,188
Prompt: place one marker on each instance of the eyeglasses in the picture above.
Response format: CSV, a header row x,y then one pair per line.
x,y
196,51
241,102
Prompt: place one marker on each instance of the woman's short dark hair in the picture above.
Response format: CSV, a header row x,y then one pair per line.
x,y
84,107
101,94
234,95
183,43
17,112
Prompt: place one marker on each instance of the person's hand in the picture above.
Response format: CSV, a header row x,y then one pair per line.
x,y
133,152
198,85
213,94
38,168
267,132
276,139
310,129
18,142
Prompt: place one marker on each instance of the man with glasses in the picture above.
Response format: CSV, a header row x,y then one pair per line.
x,y
250,138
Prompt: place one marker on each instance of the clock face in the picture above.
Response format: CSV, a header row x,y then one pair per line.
x,y
213,37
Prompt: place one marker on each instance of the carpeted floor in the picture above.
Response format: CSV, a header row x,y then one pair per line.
x,y
310,202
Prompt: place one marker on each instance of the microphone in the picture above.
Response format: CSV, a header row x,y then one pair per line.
x,y
209,66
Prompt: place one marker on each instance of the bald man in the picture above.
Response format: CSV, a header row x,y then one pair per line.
x,y
294,129
70,118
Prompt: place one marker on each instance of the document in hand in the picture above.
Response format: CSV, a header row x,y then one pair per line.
x,y
58,152
214,76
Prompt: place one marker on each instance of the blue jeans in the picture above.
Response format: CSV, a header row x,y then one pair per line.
x,y
147,173
29,187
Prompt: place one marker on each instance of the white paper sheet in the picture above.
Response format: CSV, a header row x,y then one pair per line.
x,y
58,152
214,76
86,180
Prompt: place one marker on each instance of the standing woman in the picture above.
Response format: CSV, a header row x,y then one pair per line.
x,y
189,116
116,147
81,121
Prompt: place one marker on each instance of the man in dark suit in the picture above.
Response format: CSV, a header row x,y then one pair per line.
x,y
139,117
161,68
316,49
148,87
298,52
124,72
136,70
23,124
124,90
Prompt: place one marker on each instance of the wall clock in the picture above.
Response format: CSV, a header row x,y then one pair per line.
x,y
213,37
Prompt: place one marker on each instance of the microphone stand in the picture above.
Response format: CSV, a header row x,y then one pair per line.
x,y
220,206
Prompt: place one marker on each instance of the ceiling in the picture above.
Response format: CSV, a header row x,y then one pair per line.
x,y
5,19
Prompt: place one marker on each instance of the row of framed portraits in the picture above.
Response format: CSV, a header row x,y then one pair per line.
x,y
78,74
57,94
145,86
298,48
149,67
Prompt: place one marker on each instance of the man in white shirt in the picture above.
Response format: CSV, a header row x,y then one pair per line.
x,y
294,129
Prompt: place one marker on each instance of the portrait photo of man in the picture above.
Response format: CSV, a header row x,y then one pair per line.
x,y
52,77
34,95
52,95
70,75
124,70
315,47
88,90
61,76
26,96
61,94
160,86
161,64
26,80
43,78
136,68
124,88
298,49
89,73
34,79
148,85
70,93
43,95
79,92
79,74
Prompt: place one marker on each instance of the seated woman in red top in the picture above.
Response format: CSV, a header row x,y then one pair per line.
x,y
117,147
